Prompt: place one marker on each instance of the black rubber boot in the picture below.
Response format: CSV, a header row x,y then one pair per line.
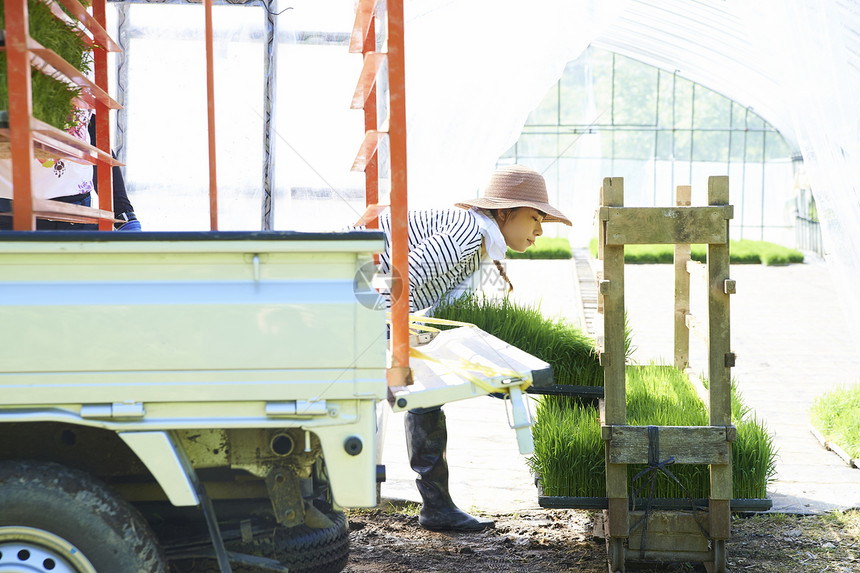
x,y
426,440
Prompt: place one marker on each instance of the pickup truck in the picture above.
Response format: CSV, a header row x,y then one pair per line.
x,y
164,395
154,383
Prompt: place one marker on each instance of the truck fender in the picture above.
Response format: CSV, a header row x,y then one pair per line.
x,y
350,458
167,462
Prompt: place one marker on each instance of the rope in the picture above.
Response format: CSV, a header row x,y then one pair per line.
x,y
654,469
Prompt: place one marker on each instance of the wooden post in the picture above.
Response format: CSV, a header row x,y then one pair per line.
x,y
682,289
720,362
613,360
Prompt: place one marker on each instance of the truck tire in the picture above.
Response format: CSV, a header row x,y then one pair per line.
x,y
301,549
59,520
306,550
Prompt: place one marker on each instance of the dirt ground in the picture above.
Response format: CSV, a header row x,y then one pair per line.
x,y
550,541
389,540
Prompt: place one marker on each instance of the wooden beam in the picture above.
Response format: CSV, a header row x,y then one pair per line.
x,y
719,365
687,444
613,360
682,289
666,225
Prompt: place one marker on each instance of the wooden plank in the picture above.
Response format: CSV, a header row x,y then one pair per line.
x,y
669,531
719,315
613,316
613,360
666,225
618,524
719,365
687,444
601,236
719,511
682,289
672,556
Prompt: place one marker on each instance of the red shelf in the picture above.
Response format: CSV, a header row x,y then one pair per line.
x,y
49,63
25,136
101,37
373,62
368,148
59,211
364,12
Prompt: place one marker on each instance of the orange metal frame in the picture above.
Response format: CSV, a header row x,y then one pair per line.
x,y
210,107
363,41
26,134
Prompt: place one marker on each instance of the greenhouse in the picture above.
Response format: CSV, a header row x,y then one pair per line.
x,y
596,258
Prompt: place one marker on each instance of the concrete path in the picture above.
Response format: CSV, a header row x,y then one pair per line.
x,y
792,340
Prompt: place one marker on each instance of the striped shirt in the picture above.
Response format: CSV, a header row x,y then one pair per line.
x,y
444,251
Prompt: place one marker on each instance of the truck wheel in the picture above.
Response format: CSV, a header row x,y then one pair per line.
x,y
303,549
58,520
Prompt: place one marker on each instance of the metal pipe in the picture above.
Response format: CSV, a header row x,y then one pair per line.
x,y
210,106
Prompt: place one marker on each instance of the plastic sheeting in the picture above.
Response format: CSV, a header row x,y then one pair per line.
x,y
812,49
798,61
476,69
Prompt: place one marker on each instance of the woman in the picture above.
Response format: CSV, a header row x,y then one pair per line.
x,y
445,251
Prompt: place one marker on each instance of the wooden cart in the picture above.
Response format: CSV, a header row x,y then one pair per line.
x,y
671,535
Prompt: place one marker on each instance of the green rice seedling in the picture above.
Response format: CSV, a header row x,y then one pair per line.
x,y
569,351
753,456
657,395
836,414
545,248
569,452
662,396
740,252
52,98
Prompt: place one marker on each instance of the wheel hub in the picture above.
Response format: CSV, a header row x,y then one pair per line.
x,y
31,550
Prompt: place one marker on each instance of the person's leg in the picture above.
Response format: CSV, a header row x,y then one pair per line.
x,y
426,442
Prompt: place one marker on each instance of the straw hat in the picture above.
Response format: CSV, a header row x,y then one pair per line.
x,y
517,186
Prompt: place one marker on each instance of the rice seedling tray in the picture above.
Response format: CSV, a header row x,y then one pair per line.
x,y
576,391
741,505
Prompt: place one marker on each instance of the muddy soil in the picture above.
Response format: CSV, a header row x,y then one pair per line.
x,y
550,541
390,540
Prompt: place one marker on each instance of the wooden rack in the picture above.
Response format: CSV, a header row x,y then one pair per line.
x,y
393,129
675,535
28,137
